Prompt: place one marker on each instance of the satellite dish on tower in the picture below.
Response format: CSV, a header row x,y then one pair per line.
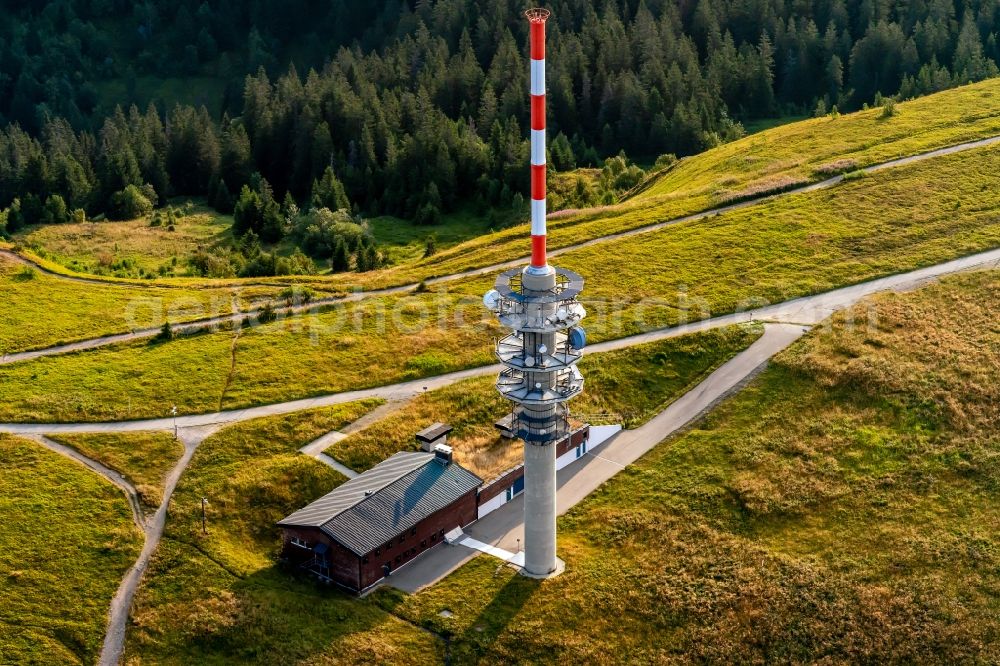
x,y
491,299
577,337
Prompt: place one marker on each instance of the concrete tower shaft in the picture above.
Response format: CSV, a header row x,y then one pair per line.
x,y
540,377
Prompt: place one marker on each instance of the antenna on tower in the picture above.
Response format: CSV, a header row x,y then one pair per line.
x,y
537,17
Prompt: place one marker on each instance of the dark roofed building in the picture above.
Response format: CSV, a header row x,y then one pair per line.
x,y
381,519
433,435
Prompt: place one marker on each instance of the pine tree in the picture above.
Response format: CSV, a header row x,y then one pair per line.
x,y
361,260
328,192
341,260
247,213
562,153
55,211
222,200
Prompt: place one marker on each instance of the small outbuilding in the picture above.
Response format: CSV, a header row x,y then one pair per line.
x,y
378,521
433,435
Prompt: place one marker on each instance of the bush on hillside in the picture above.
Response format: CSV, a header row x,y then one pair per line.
x,y
318,232
267,314
665,161
297,295
166,333
54,211
131,203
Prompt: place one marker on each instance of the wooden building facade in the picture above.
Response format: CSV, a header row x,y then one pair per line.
x,y
371,525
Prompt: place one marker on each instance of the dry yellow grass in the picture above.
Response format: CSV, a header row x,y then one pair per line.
x,y
107,248
841,509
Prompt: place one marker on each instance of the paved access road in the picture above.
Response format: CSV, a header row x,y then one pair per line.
x,y
808,310
400,289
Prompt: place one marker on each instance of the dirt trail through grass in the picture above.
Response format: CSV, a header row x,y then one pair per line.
x,y
114,477
232,366
114,640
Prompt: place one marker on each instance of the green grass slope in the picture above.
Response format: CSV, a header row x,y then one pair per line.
x,y
220,598
40,310
143,458
843,508
817,148
892,221
66,540
130,247
626,386
773,159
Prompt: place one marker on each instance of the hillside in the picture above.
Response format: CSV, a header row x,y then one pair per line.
x,y
773,160
54,608
841,508
416,110
794,483
888,222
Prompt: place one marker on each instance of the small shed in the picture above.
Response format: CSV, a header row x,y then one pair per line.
x,y
433,435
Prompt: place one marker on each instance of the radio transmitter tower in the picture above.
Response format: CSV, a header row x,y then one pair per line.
x,y
539,305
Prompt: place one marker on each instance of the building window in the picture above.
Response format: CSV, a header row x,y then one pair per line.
x,y
398,558
434,537
423,544
401,537
377,552
364,560
299,542
413,531
441,534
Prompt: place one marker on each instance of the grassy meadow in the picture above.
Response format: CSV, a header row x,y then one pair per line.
x,y
132,248
842,508
405,242
364,344
816,148
892,221
56,588
143,458
221,598
41,310
624,386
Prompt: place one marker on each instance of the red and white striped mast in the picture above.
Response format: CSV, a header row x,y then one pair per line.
x,y
537,18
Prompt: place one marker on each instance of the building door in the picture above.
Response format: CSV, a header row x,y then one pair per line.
x,y
518,487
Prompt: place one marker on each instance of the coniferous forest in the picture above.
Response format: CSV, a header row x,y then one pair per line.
x,y
415,108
